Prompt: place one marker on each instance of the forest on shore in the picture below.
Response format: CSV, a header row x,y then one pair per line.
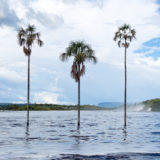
x,y
149,105
47,107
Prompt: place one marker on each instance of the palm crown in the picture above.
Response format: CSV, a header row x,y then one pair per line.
x,y
26,38
81,53
124,35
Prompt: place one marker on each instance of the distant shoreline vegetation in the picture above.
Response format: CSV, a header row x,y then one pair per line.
x,y
148,105
152,105
47,107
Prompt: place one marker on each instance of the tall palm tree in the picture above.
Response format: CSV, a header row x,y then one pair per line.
x,y
124,36
26,39
81,53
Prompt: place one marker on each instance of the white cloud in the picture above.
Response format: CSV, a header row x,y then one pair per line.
x,y
10,75
46,97
92,21
97,24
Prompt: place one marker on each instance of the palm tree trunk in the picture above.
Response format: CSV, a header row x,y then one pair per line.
x,y
78,96
125,88
28,90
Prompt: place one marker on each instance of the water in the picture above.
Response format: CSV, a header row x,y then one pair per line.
x,y
54,135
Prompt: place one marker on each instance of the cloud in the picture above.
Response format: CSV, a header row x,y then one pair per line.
x,y
8,16
46,97
15,13
48,20
94,22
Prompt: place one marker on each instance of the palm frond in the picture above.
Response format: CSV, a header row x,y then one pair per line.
x,y
74,72
64,57
81,52
21,41
125,45
129,37
21,36
119,43
40,42
80,58
92,58
82,71
30,40
124,35
26,51
31,28
38,35
125,27
133,32
27,37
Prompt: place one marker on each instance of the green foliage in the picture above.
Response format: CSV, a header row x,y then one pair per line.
x,y
154,104
47,107
81,53
124,35
27,37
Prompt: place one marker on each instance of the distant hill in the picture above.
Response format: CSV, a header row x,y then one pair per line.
x,y
110,104
152,105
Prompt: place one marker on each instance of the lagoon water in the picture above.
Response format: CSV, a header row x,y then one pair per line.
x,y
53,135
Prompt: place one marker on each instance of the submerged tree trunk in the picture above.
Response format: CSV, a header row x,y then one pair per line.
x,y
28,90
125,88
78,96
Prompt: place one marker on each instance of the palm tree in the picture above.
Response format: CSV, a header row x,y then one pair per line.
x,y
124,36
26,38
81,53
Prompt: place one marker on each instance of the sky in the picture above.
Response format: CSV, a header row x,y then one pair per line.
x,y
94,22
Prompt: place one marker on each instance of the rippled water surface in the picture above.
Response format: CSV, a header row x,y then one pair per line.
x,y
54,135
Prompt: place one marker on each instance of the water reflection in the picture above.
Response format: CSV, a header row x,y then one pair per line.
x,y
78,137
76,140
27,133
124,134
27,130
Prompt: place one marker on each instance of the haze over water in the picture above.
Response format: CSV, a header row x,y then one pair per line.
x,y
53,133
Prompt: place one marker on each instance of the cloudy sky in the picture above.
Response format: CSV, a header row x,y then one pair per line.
x,y
94,21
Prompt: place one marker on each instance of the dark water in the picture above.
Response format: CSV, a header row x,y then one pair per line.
x,y
54,135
